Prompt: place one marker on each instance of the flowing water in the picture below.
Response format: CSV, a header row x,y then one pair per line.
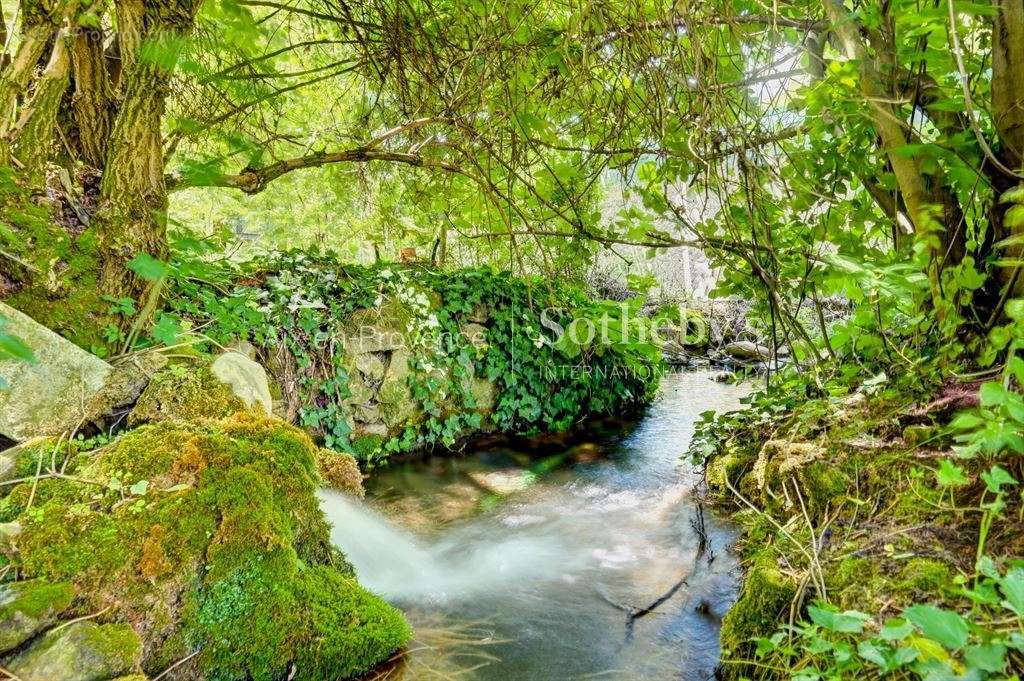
x,y
522,561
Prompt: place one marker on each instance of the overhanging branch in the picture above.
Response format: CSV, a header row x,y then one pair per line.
x,y
254,180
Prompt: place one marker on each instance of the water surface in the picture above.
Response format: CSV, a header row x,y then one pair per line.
x,y
519,562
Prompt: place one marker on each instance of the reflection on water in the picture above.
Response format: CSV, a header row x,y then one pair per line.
x,y
536,552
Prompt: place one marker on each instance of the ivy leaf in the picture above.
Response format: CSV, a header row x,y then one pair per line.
x,y
941,626
147,267
950,475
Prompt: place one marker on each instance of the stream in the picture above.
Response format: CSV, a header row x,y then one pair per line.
x,y
521,560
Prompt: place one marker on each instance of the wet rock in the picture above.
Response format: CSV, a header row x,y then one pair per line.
x,y
46,397
395,397
246,378
83,651
475,334
674,353
502,482
27,608
747,350
723,376
9,533
370,366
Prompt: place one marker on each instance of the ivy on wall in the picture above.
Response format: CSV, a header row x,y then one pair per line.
x,y
544,380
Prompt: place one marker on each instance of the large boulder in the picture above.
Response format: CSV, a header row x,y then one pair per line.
x,y
27,608
186,391
82,651
748,351
246,378
208,537
50,395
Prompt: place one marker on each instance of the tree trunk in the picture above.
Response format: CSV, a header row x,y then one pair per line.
x,y
1008,116
35,131
133,196
91,103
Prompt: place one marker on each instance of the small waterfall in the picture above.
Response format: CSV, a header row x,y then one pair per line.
x,y
398,566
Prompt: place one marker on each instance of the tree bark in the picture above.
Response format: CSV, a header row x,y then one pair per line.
x,y
1008,117
91,102
133,195
931,207
34,134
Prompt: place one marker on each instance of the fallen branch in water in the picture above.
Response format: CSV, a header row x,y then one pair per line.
x,y
633,613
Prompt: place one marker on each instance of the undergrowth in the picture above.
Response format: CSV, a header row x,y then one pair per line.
x,y
882,517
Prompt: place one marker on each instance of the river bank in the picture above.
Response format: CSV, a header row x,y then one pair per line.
x,y
879,531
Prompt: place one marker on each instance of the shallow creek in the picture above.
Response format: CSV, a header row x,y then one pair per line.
x,y
516,561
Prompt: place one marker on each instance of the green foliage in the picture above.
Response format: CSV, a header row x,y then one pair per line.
x,y
305,303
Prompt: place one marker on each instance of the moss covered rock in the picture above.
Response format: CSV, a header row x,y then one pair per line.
x,y
340,471
27,608
83,651
765,597
208,536
185,392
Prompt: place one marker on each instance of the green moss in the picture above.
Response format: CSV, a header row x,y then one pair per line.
x,y
228,522
366,446
59,287
184,392
114,641
923,576
763,601
36,598
340,471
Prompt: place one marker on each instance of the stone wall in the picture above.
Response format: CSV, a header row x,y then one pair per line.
x,y
379,357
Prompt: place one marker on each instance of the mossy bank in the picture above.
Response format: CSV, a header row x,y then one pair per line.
x,y
868,546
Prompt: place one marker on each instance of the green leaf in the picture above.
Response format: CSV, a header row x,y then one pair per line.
x,y
12,347
942,626
996,477
1013,195
167,330
950,475
989,657
872,653
147,267
896,630
139,488
848,622
1012,586
1015,216
992,394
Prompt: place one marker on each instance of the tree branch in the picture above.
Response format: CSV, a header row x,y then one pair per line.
x,y
254,180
